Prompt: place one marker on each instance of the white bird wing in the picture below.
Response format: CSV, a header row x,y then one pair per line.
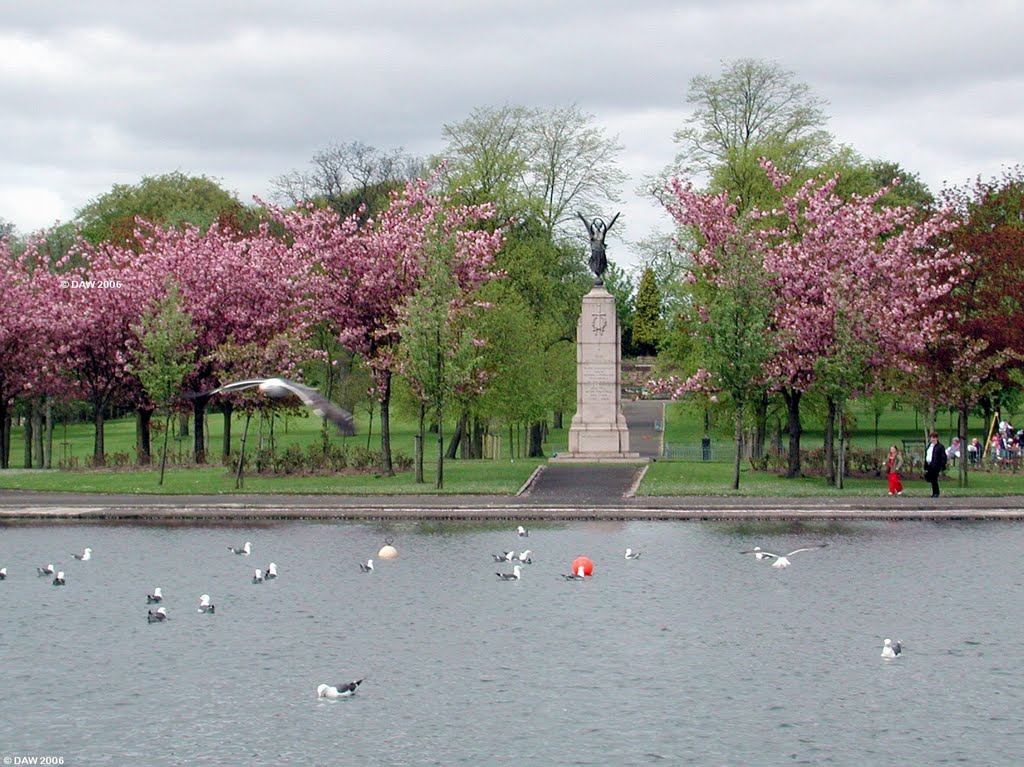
x,y
807,548
762,552
235,386
322,406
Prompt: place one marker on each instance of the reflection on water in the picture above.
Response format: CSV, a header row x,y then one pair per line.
x,y
691,654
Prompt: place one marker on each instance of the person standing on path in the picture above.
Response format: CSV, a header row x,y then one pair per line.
x,y
894,464
934,463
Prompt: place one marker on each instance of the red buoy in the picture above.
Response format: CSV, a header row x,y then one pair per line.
x,y
585,563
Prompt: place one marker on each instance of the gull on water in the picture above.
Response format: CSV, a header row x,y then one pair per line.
x,y
781,560
85,556
523,532
156,596
282,387
366,567
257,576
891,649
579,575
204,604
59,580
245,551
159,615
48,570
524,557
271,571
630,554
508,556
346,690
515,575
3,573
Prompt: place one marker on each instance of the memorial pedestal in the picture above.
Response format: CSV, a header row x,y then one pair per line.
x,y
598,430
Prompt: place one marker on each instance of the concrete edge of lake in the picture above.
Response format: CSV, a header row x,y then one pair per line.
x,y
28,506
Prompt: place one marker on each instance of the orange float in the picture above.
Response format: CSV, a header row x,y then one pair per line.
x,y
586,563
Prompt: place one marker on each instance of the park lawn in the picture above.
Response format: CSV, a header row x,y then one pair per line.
x,y
502,477
668,478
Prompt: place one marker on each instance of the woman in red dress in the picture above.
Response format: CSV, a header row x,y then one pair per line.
x,y
894,464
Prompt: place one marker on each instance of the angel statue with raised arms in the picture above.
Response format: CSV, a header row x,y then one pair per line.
x,y
597,229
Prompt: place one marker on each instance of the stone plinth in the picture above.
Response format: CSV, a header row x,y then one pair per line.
x,y
598,430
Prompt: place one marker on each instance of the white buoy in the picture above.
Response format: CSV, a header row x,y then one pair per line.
x,y
387,551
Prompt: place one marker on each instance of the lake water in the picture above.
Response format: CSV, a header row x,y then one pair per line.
x,y
692,654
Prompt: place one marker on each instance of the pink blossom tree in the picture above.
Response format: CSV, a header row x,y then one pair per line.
x,y
855,283
368,271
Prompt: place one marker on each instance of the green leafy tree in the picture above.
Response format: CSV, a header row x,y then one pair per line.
x,y
647,324
163,357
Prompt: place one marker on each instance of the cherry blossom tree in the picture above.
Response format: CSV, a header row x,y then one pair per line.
x,y
367,272
848,276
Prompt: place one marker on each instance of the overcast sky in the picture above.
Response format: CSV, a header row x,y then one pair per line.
x,y
103,92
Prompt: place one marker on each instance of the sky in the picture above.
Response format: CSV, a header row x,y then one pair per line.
x,y
105,92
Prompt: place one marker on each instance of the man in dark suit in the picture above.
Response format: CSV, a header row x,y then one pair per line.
x,y
934,463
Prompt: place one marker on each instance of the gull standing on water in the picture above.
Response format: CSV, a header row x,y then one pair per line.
x,y
781,560
891,649
282,387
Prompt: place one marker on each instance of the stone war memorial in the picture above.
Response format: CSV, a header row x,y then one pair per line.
x,y
598,431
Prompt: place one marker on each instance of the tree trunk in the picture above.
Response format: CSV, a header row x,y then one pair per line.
x,y
37,434
143,448
841,469
792,398
420,435
228,411
962,429
558,419
5,434
760,426
48,442
241,451
199,432
536,448
478,439
460,429
163,452
830,431
738,436
439,476
98,449
387,469
28,438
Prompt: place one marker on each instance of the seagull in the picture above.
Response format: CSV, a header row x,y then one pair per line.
x,y
630,554
245,551
341,691
515,575
891,649
156,596
579,575
59,580
3,573
204,604
159,615
780,560
257,576
282,387
367,567
271,571
48,570
85,556
524,557
508,556
523,532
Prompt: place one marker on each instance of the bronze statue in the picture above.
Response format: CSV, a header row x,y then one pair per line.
x,y
598,258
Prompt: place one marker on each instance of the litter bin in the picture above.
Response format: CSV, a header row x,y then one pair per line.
x,y
705,448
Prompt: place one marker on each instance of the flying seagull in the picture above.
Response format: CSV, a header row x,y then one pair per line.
x,y
891,649
282,387
781,560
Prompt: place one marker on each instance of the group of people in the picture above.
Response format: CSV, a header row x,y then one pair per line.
x,y
1006,442
936,456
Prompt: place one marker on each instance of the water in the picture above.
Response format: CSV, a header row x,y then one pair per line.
x,y
692,654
